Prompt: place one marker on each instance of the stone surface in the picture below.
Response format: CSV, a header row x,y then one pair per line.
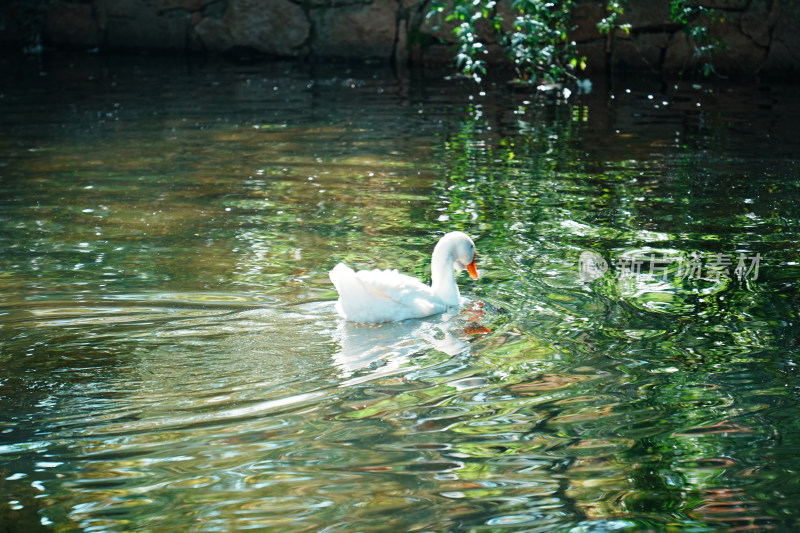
x,y
759,21
359,30
758,34
645,51
71,25
784,51
274,27
585,17
729,5
187,5
138,24
651,15
740,54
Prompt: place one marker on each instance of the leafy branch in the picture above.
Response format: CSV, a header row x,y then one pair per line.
x,y
705,47
534,39
535,34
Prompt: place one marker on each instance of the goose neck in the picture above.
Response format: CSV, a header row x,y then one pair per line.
x,y
443,278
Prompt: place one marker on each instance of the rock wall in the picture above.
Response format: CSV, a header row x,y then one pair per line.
x,y
759,35
756,36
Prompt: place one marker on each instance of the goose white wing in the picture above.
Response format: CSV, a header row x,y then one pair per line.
x,y
382,295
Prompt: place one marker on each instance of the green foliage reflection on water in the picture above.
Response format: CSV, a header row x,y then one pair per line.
x,y
543,207
172,358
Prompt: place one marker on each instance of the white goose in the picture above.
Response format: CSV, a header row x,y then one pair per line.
x,y
387,296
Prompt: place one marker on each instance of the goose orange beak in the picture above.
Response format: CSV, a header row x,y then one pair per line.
x,y
472,268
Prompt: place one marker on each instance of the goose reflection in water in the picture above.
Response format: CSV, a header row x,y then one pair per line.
x,y
371,351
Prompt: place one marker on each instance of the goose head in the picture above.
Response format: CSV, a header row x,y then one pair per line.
x,y
464,254
454,252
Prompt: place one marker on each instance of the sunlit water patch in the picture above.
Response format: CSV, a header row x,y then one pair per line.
x,y
172,359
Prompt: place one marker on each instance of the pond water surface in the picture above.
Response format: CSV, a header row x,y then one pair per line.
x,y
172,361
